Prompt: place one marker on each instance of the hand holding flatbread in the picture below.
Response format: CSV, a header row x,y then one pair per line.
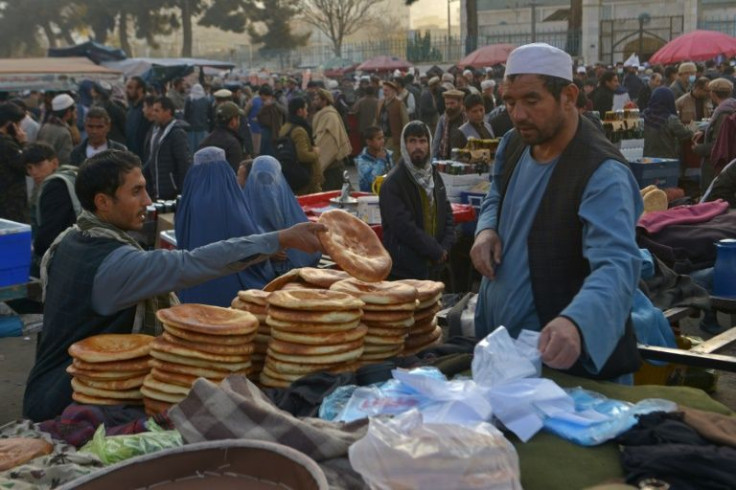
x,y
302,236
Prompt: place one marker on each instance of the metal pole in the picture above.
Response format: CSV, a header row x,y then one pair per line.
x,y
534,22
449,33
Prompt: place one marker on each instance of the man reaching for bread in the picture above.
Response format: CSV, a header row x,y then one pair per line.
x,y
97,279
555,239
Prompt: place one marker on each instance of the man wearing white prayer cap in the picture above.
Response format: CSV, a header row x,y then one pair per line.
x,y
555,237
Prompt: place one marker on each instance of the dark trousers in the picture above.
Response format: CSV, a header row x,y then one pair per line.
x,y
333,176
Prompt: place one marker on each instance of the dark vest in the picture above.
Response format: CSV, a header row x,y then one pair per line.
x,y
68,318
557,266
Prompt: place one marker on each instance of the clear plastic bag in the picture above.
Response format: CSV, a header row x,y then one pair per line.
x,y
112,449
405,453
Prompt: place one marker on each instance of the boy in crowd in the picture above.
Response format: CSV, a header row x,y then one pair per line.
x,y
374,160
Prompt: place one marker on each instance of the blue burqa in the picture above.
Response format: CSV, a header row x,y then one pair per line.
x,y
213,208
273,207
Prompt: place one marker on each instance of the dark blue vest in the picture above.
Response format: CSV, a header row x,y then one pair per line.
x,y
68,318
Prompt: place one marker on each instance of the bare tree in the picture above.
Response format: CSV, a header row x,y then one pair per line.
x,y
337,18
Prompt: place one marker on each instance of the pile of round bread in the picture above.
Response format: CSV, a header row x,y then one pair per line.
x,y
255,301
311,331
425,331
109,369
198,341
388,314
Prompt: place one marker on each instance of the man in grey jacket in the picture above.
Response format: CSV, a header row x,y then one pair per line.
x,y
55,131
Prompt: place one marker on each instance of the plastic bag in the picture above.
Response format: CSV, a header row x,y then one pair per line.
x,y
113,449
405,453
498,358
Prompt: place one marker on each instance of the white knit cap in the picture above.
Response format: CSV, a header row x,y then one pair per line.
x,y
539,59
61,102
487,84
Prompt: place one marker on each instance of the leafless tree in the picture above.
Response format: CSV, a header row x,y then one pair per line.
x,y
337,19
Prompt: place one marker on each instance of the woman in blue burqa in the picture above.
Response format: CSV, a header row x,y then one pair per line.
x,y
273,206
213,208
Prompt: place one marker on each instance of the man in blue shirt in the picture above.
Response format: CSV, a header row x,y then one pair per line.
x,y
555,240
374,160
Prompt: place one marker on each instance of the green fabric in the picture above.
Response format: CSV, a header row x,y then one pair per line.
x,y
429,213
549,463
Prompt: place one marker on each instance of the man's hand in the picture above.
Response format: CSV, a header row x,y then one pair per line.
x,y
559,343
279,256
486,253
302,236
697,137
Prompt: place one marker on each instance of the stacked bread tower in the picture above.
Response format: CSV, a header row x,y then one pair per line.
x,y
255,302
198,341
311,331
388,313
425,331
306,278
109,369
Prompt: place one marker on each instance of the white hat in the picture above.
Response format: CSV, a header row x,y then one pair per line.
x,y
539,59
581,69
487,84
467,73
61,102
331,84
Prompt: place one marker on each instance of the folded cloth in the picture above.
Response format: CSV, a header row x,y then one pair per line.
x,y
656,221
717,428
237,409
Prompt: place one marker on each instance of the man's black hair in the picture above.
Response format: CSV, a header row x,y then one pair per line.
x,y
166,104
554,85
370,90
416,128
38,152
104,173
149,100
312,84
370,132
472,100
97,112
10,112
140,83
669,71
295,104
607,76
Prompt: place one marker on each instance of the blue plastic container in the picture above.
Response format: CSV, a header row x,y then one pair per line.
x,y
724,270
15,252
662,172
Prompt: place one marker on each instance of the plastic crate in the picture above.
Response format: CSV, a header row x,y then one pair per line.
x,y
15,252
474,199
662,172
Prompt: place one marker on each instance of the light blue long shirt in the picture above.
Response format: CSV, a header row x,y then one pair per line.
x,y
610,207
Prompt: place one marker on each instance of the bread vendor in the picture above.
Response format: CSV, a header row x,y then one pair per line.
x,y
97,279
555,239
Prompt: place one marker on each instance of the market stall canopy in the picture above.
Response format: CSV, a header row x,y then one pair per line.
x,y
695,46
490,55
384,63
337,67
92,50
55,74
138,66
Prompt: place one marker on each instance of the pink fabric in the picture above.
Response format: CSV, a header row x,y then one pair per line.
x,y
656,221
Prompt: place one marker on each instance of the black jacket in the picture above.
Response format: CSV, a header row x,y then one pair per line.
x,y
168,164
79,153
412,250
229,141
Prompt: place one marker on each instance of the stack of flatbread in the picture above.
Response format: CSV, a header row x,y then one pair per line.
x,y
255,302
306,278
388,313
654,199
311,331
425,331
109,369
198,341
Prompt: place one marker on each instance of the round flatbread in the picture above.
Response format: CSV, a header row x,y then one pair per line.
x,y
270,382
294,349
162,344
243,349
354,246
254,297
162,395
388,316
111,347
384,339
97,400
212,320
190,361
382,293
411,306
425,313
426,289
185,380
154,407
186,370
80,387
314,300
314,338
404,324
378,356
423,327
105,375
431,301
286,326
279,282
420,340
348,356
281,376
388,332
18,450
137,364
209,339
256,310
165,387
287,367
378,349
290,286
284,315
113,384
323,278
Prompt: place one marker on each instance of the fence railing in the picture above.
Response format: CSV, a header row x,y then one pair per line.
x,y
720,24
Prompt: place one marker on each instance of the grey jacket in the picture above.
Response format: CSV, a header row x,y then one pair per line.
x,y
59,138
665,142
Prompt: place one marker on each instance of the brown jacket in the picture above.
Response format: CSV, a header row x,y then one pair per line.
x,y
686,107
397,119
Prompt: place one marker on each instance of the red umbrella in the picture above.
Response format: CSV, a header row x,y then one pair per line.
x,y
695,46
490,55
384,63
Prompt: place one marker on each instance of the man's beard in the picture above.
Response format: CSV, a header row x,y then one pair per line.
x,y
452,113
418,159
